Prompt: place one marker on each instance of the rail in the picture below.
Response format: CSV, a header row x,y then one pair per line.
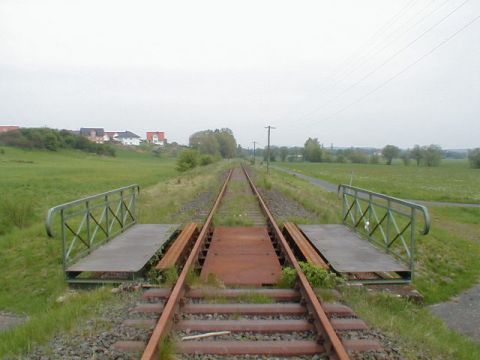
x,y
386,221
333,344
165,322
87,223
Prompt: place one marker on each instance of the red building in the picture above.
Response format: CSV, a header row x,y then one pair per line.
x,y
8,128
156,137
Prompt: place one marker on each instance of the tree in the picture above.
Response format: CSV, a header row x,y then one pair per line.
x,y
205,142
312,150
406,157
416,153
474,158
432,155
283,153
227,143
274,152
390,152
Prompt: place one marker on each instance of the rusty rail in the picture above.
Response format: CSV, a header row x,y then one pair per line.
x,y
165,322
333,344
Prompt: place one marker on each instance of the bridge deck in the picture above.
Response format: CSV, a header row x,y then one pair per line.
x,y
242,256
347,252
128,252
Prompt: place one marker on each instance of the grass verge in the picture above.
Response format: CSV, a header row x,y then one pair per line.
x,y
420,334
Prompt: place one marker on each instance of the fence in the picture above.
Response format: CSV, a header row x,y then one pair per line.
x,y
87,223
387,222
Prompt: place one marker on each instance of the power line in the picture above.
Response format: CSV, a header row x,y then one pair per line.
x,y
380,30
376,49
387,60
403,70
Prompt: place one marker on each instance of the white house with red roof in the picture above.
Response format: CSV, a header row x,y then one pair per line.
x,y
156,137
5,128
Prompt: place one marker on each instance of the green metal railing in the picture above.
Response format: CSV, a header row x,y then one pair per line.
x,y
387,222
87,223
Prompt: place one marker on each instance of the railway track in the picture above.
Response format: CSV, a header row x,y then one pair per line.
x,y
248,316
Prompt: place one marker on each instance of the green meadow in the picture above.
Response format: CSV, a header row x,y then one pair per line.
x,y
452,181
31,182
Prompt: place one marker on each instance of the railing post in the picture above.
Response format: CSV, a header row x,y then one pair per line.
x,y
133,208
122,211
412,242
107,214
370,202
64,239
344,206
389,215
87,207
355,209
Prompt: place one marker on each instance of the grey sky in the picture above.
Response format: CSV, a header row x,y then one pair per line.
x,y
305,67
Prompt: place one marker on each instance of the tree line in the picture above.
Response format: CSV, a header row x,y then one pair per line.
x,y
313,151
53,140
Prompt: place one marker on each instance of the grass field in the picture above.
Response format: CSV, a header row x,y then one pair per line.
x,y
452,181
447,257
30,266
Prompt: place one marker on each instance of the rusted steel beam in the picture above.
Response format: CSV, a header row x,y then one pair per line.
x,y
305,247
242,325
333,344
165,322
199,293
275,294
271,348
245,309
177,249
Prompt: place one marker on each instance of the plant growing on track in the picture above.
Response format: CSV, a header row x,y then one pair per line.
x,y
167,349
319,277
288,278
169,276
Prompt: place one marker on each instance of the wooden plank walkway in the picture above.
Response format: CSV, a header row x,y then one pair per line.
x,y
128,252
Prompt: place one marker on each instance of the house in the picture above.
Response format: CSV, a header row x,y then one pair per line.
x,y
156,137
8,128
93,134
110,136
127,138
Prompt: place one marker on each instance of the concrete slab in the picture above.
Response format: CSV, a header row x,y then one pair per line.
x,y
347,252
128,252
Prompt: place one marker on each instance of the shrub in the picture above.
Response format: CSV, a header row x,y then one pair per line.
x,y
374,159
206,160
474,158
358,157
432,155
187,160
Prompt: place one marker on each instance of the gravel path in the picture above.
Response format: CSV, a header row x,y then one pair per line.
x,y
462,313
333,188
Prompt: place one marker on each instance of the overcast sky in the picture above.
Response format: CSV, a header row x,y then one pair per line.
x,y
351,73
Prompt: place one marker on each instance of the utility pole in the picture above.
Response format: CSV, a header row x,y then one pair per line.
x,y
268,148
254,152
